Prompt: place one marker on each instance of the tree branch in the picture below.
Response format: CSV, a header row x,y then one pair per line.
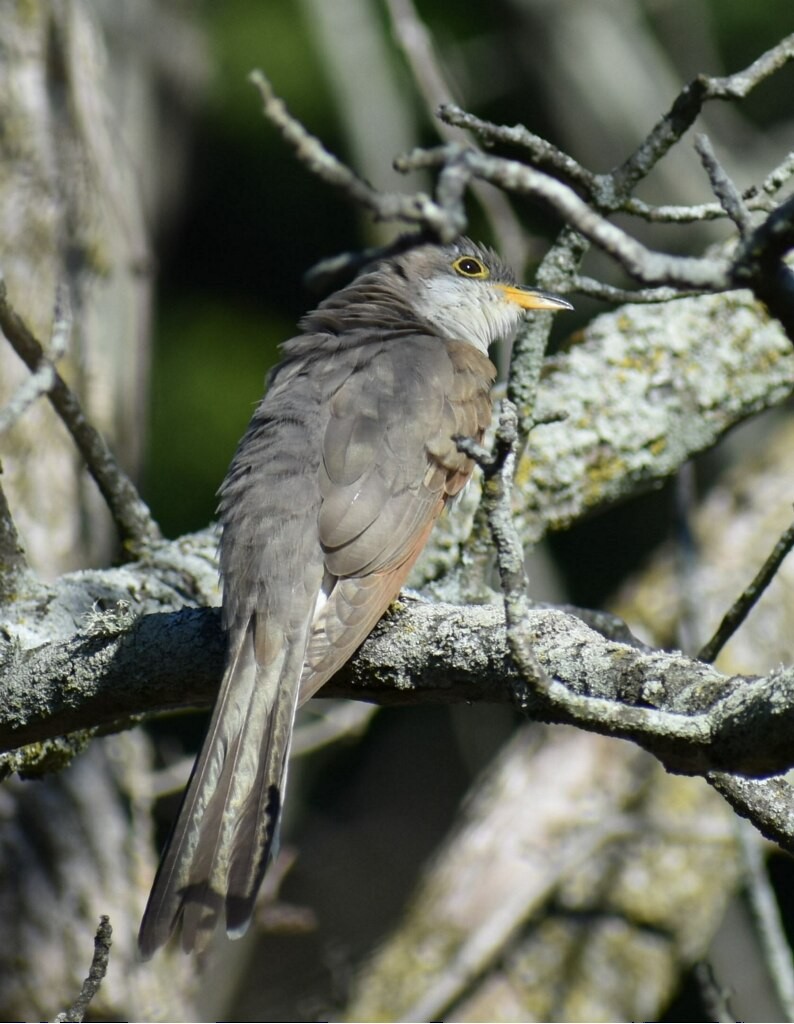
x,y
417,46
42,379
131,514
96,974
416,209
757,263
749,597
137,664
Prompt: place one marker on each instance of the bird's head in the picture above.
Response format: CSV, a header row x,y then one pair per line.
x,y
465,291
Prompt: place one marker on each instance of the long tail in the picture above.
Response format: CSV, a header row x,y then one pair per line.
x,y
219,848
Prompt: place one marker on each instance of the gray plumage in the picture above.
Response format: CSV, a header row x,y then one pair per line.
x,y
329,499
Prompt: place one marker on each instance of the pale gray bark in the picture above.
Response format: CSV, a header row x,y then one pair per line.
x,y
71,217
79,125
568,883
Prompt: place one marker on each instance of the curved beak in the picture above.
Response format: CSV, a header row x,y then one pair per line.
x,y
528,298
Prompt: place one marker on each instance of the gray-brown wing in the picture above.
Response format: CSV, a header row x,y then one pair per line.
x,y
390,465
273,569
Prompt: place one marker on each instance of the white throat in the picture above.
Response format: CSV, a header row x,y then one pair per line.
x,y
468,310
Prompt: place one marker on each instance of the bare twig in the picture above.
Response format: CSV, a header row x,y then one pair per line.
x,y
99,965
714,996
133,519
643,264
41,380
556,273
744,604
688,104
417,46
414,209
727,193
543,154
611,192
757,262
609,293
776,178
777,952
498,469
685,558
599,188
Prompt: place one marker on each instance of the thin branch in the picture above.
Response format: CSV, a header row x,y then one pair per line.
x,y
96,974
133,519
687,106
557,271
609,293
740,84
757,263
777,952
724,189
544,154
416,44
643,264
610,192
598,188
776,178
414,209
715,998
42,379
695,214
749,597
498,475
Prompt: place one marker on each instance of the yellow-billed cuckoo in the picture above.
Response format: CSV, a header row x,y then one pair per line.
x,y
346,465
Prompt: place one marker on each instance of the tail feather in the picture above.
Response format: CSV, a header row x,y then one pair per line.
x,y
256,830
219,848
255,824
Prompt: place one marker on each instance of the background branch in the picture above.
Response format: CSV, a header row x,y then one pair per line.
x,y
132,516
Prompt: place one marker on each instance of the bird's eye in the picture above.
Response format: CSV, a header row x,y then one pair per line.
x,y
470,266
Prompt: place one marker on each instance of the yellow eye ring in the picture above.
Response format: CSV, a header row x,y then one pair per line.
x,y
470,266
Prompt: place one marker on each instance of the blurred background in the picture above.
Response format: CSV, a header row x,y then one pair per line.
x,y
235,223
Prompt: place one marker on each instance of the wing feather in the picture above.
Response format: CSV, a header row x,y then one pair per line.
x,y
404,409
347,469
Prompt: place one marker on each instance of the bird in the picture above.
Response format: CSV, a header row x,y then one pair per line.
x,y
346,465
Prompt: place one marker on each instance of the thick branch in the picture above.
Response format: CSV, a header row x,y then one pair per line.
x,y
693,717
